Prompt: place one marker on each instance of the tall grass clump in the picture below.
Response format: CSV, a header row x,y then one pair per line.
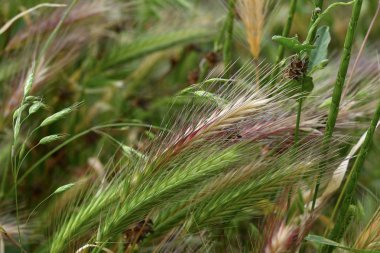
x,y
148,126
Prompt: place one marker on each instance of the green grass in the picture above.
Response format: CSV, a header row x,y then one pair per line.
x,y
156,126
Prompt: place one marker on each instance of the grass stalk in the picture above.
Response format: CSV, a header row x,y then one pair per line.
x,y
342,223
313,28
298,120
27,89
346,195
227,49
73,138
314,17
309,39
315,20
286,30
338,87
7,25
285,33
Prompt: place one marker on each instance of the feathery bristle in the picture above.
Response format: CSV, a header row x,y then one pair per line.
x,y
253,14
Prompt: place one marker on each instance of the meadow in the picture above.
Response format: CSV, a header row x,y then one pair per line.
x,y
189,126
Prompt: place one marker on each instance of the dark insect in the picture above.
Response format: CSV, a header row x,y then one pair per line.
x,y
138,232
297,68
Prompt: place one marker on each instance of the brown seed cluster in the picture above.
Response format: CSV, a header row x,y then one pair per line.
x,y
297,68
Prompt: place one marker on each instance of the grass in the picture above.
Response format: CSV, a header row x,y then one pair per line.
x,y
180,126
341,77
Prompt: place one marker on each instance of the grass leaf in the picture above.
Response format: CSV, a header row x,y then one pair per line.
x,y
51,138
63,188
292,43
58,115
324,241
319,53
35,107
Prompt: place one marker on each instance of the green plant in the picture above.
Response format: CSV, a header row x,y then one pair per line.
x,y
179,126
